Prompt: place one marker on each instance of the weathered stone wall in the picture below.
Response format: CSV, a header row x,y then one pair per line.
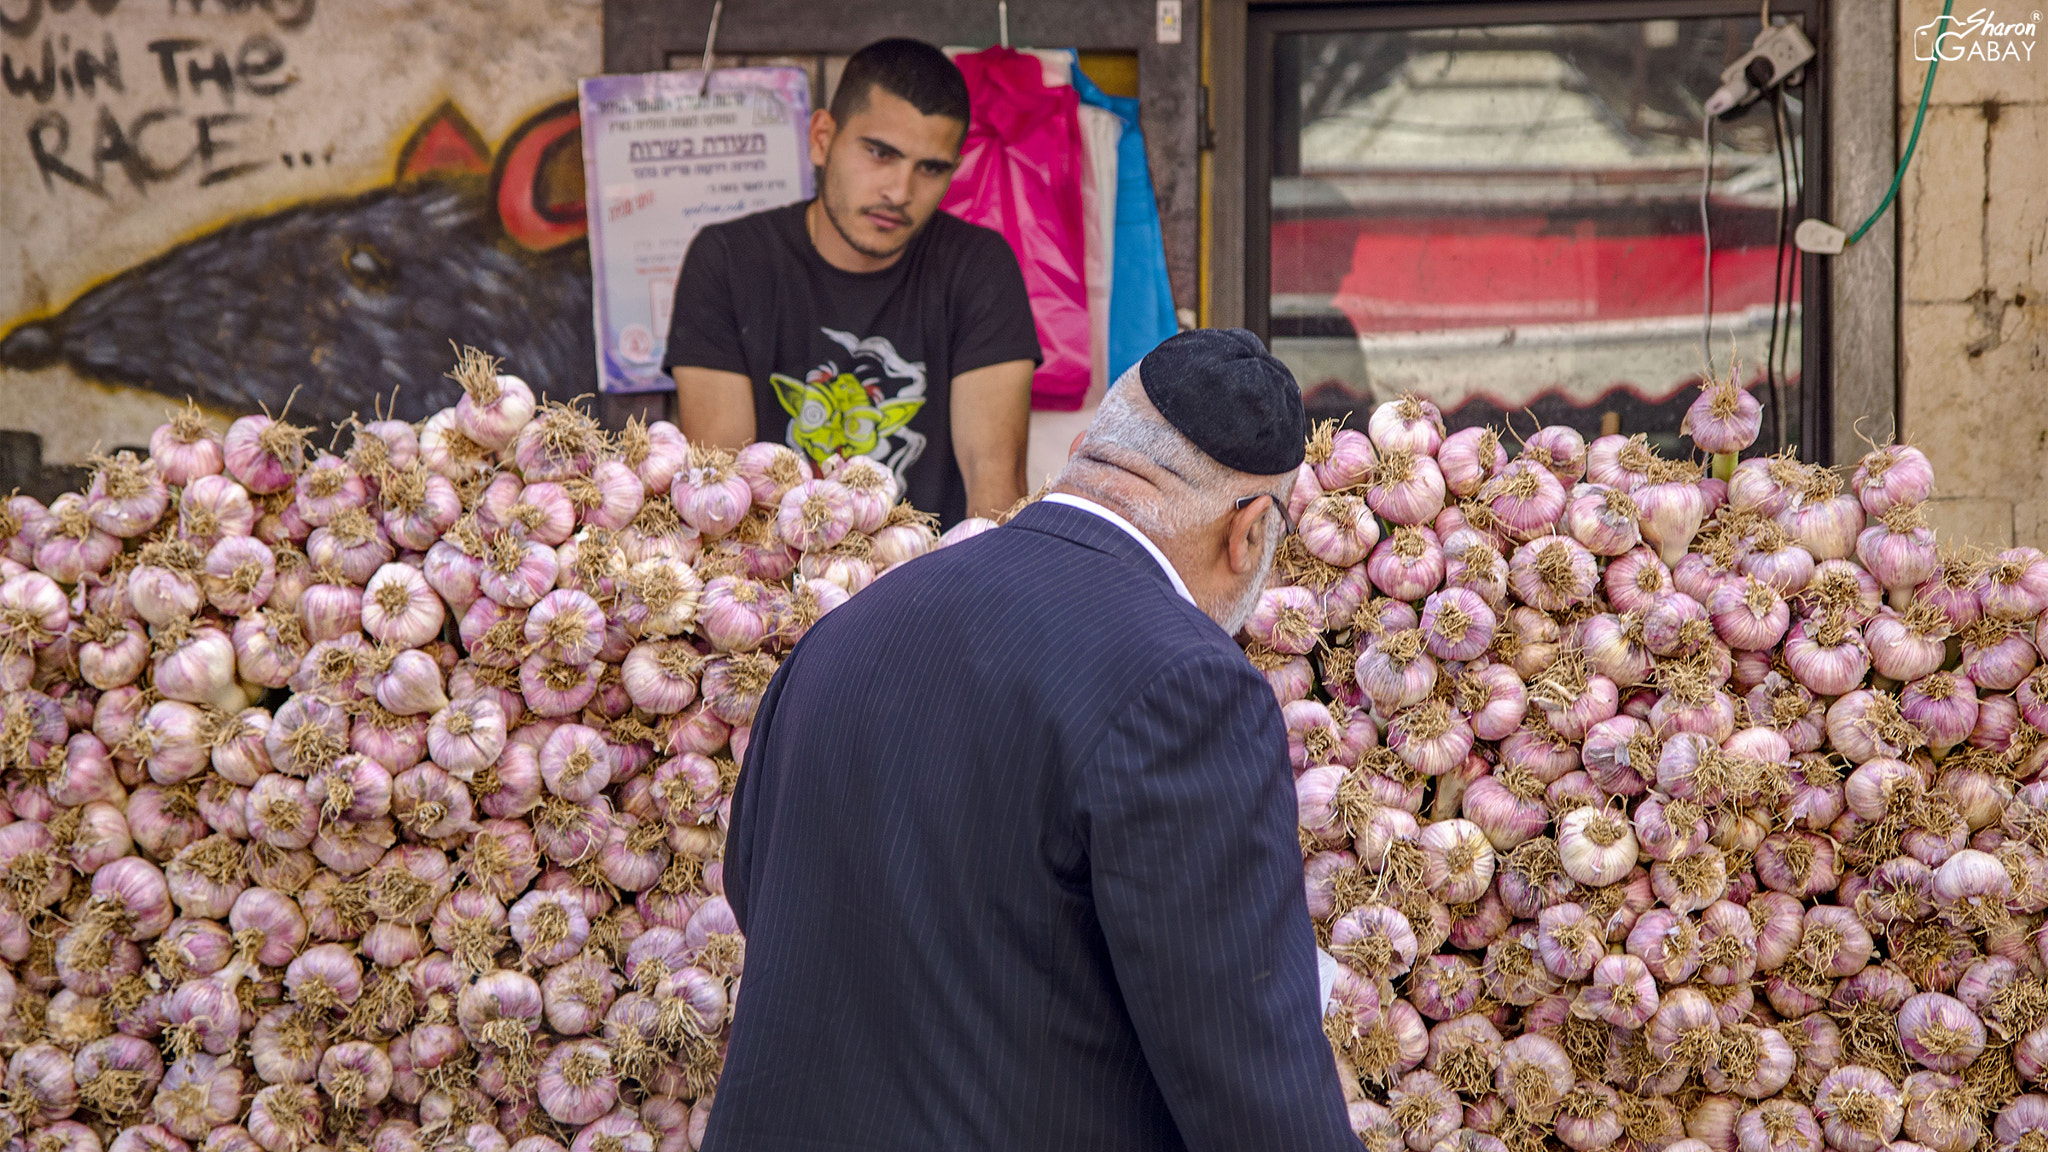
x,y
1973,315
228,175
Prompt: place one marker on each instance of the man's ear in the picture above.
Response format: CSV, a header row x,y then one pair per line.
x,y
1243,542
1076,445
823,129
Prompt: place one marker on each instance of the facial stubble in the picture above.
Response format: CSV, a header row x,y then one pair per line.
x,y
1248,599
829,201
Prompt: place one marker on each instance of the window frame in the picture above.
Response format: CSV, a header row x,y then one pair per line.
x,y
1264,23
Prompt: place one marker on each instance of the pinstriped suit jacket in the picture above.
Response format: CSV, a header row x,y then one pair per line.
x,y
1014,853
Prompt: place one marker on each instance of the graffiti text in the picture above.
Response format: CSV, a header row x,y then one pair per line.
x,y
191,88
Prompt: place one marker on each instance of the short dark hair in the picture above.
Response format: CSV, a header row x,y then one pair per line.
x,y
910,70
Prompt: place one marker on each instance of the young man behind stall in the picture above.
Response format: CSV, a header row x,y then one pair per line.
x,y
866,321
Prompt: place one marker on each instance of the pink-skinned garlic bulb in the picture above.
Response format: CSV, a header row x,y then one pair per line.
x,y
400,607
1469,458
126,496
186,447
577,1084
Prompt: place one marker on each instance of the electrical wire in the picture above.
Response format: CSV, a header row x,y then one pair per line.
x,y
1933,62
1780,289
1793,267
1707,240
1798,162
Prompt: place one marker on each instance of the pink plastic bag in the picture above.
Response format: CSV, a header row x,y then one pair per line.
x,y
1020,174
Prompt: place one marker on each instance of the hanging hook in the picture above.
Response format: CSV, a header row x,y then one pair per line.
x,y
1003,18
710,40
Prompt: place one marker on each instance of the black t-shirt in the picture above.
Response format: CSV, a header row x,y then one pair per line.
x,y
854,363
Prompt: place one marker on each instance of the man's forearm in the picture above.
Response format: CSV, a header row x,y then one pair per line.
x,y
991,426
993,490
715,408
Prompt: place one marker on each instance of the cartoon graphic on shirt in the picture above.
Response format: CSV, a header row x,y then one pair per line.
x,y
863,409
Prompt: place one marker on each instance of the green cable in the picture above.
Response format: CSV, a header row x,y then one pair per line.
x,y
1927,89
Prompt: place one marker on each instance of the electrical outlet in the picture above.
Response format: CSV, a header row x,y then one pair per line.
x,y
1168,28
1785,49
1775,56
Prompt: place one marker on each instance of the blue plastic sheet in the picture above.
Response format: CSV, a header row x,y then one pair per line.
x,y
1141,297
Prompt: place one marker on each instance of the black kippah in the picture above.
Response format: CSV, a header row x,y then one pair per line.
x,y
1232,398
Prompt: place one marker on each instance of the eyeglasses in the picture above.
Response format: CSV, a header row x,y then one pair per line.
x,y
1244,502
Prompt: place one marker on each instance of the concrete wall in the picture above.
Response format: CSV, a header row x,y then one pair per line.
x,y
1973,322
228,171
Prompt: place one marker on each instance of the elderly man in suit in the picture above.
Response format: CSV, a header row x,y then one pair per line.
x,y
1014,845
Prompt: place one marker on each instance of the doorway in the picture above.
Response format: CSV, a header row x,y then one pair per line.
x,y
1499,207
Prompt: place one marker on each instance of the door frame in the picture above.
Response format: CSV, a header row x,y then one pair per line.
x,y
1849,369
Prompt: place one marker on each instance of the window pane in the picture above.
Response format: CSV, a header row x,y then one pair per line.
x,y
1506,220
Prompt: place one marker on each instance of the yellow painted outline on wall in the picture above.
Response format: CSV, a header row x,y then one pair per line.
x,y
398,153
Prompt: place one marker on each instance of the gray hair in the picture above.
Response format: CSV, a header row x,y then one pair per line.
x,y
1130,424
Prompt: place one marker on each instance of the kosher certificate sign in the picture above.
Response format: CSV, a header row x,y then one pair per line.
x,y
663,157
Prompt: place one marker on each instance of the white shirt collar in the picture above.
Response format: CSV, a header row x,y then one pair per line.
x,y
1131,530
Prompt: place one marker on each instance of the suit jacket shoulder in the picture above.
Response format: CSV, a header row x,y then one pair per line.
x,y
1054,572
